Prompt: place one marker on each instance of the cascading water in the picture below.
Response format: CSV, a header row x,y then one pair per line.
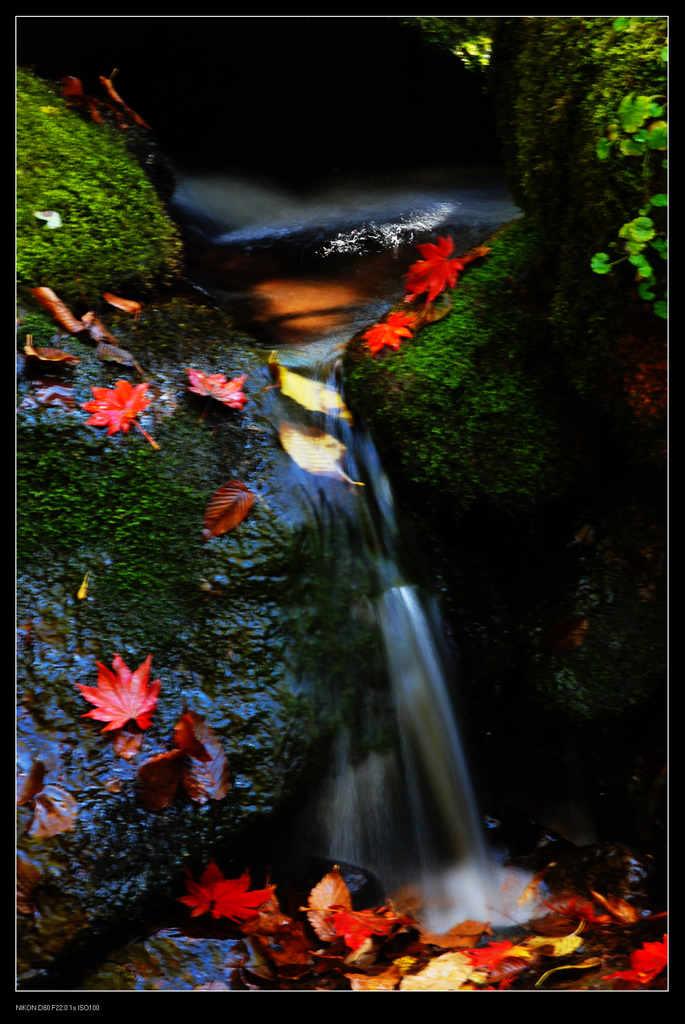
x,y
405,810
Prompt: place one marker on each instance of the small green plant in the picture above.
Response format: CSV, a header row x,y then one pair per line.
x,y
640,131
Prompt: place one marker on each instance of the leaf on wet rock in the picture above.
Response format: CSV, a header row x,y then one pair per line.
x,y
390,332
46,298
461,936
96,328
446,973
49,355
330,892
116,408
126,744
31,784
227,508
549,945
567,635
55,812
215,385
122,695
207,776
310,394
224,897
115,354
619,909
125,305
158,779
315,451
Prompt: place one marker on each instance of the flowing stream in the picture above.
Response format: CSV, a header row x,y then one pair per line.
x,y
404,810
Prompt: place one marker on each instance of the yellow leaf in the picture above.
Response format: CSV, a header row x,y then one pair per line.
x,y
519,951
308,393
315,451
446,973
83,589
553,946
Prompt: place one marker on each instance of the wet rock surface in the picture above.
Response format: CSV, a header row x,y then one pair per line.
x,y
227,622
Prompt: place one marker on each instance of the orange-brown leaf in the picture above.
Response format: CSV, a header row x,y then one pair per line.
x,y
227,508
127,744
49,355
28,876
330,892
208,777
462,936
125,305
97,329
186,740
384,981
55,812
619,909
32,784
158,780
46,298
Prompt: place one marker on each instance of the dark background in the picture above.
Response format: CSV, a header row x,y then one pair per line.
x,y
293,99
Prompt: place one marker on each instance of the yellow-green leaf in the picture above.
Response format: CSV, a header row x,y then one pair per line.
x,y
315,451
310,394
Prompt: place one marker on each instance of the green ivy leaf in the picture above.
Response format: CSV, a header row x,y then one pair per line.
x,y
645,291
661,247
629,147
657,135
600,263
656,110
633,110
660,199
603,148
661,309
640,230
643,267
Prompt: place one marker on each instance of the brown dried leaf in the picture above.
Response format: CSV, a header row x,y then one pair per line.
x,y
618,908
97,329
206,779
186,740
382,982
331,891
46,298
127,744
114,354
227,508
158,780
125,305
567,635
31,784
55,812
462,936
49,355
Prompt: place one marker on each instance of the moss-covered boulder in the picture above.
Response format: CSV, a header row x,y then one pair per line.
x,y
464,409
580,104
114,231
246,629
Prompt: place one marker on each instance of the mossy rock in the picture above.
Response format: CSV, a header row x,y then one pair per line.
x,y
114,231
241,628
558,85
463,408
599,648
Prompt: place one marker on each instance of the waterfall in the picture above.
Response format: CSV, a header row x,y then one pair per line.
x,y
405,812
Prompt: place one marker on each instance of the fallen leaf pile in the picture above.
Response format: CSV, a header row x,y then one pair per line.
x,y
379,949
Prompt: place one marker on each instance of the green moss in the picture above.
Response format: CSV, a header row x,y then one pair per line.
x,y
558,84
474,419
114,229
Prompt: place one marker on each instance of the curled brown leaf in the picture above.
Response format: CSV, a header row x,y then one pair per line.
x,y
46,298
227,508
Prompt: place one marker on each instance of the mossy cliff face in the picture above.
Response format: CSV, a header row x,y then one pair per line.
x,y
557,85
114,231
233,624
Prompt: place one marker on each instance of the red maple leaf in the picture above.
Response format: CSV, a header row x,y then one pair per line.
x,y
224,897
436,272
357,926
391,332
122,695
116,408
216,386
578,909
645,963
487,956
